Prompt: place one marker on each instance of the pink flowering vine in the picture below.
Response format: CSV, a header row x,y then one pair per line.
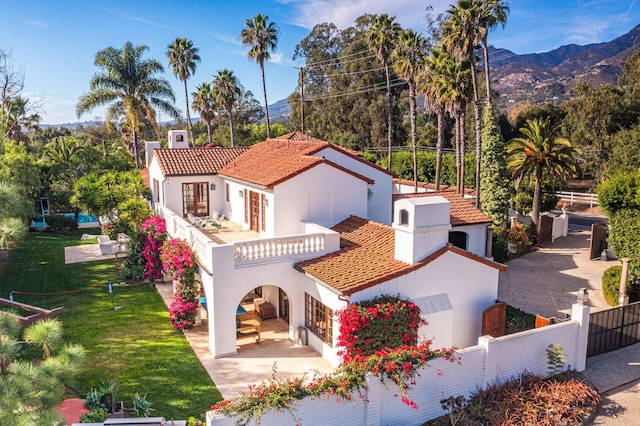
x,y
179,262
154,233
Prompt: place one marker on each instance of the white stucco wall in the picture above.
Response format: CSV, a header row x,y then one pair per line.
x,y
476,237
346,194
379,203
471,287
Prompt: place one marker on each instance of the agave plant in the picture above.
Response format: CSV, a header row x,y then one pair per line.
x,y
141,406
12,230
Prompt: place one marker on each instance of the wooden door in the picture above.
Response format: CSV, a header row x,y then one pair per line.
x,y
254,211
284,305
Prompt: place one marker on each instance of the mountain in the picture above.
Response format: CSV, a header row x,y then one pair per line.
x,y
551,76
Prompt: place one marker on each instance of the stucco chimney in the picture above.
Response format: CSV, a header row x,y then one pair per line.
x,y
421,227
178,139
149,146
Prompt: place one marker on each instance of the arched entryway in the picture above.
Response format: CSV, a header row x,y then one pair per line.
x,y
262,315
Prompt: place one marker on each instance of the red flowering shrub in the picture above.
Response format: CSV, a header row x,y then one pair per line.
x,y
381,323
179,262
154,232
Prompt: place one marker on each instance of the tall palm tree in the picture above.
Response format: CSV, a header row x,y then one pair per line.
x,y
381,37
205,104
433,100
492,13
262,38
409,57
183,57
540,152
128,84
226,91
462,34
16,115
451,81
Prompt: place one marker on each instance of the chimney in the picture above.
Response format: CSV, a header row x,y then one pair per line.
x,y
421,227
149,146
178,139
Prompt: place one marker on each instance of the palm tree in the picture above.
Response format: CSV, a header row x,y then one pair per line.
x,y
63,149
226,90
409,56
183,57
433,100
538,153
382,36
493,12
262,38
205,104
16,115
462,34
451,82
127,83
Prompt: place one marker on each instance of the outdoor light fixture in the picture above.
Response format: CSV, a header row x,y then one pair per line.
x,y
583,296
266,202
240,194
212,186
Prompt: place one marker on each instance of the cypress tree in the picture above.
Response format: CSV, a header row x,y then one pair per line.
x,y
494,176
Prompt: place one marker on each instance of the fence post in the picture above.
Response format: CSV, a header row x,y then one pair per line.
x,y
490,345
580,312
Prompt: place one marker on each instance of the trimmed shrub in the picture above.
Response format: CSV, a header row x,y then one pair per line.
x,y
611,284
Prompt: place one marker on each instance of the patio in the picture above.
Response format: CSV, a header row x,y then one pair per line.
x,y
229,232
254,362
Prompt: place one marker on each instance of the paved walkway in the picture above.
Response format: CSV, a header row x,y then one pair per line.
x,y
545,282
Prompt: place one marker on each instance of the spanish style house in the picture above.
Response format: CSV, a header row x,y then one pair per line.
x,y
311,226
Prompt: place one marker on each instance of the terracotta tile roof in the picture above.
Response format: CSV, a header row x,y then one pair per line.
x,y
279,159
432,186
366,258
195,161
463,212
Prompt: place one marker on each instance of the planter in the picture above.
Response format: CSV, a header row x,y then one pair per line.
x,y
175,286
198,317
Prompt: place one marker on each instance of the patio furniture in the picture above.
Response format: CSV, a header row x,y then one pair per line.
x,y
264,309
250,325
107,246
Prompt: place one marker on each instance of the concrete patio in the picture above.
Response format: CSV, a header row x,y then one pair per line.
x,y
254,362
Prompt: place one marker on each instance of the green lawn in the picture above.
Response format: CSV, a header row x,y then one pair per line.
x,y
134,344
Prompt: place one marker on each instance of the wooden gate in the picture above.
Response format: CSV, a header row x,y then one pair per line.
x,y
494,320
598,242
613,329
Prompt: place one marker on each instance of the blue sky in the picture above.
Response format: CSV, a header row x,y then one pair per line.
x,y
54,42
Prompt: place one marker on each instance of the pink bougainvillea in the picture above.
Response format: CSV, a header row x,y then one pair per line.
x,y
154,233
179,262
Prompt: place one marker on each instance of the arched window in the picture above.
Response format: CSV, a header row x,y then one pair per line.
x,y
458,239
404,217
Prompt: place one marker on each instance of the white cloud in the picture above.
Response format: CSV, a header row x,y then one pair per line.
x,y
408,13
128,17
277,58
35,23
234,40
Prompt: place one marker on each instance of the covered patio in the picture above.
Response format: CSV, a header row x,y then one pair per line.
x,y
254,362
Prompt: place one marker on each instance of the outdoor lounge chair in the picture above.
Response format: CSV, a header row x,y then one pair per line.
x,y
107,246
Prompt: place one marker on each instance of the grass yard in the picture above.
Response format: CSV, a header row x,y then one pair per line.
x,y
134,344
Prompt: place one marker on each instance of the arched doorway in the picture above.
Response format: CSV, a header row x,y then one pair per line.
x,y
262,315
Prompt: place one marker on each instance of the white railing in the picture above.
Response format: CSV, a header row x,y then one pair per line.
x,y
578,198
273,249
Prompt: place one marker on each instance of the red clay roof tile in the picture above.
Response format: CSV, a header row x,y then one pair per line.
x,y
279,159
462,212
195,161
367,257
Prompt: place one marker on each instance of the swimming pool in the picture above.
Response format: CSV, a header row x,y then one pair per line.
x,y
82,218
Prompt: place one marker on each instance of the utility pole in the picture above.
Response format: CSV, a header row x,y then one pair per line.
x,y
302,99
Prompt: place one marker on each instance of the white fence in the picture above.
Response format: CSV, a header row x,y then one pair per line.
x,y
492,359
578,198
